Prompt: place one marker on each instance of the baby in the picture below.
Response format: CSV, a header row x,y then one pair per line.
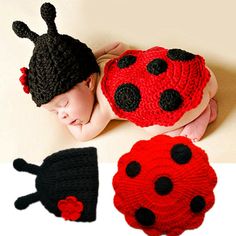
x,y
160,90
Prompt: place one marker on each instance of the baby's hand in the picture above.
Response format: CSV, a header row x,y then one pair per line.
x,y
115,48
98,121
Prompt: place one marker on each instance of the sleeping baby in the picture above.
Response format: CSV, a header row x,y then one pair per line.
x,y
160,90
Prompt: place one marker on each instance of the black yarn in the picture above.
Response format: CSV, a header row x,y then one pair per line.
x,y
180,55
197,204
57,65
48,13
21,165
71,172
163,185
145,217
127,97
126,61
58,62
170,100
23,31
157,66
23,202
133,169
181,153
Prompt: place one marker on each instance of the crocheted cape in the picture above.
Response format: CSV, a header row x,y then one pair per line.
x,y
156,86
164,185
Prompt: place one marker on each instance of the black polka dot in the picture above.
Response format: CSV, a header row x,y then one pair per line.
x,y
145,216
197,204
180,55
157,66
163,185
170,100
127,97
133,169
126,61
181,153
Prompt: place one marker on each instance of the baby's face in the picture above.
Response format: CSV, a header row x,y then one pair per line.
x,y
75,106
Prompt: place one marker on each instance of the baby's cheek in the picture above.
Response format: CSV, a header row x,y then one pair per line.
x,y
74,112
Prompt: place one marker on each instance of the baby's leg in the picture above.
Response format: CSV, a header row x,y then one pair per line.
x,y
196,129
175,132
213,106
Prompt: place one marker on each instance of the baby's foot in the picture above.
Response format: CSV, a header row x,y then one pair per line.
x,y
196,129
213,107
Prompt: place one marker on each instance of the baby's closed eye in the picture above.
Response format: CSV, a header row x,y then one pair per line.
x,y
64,103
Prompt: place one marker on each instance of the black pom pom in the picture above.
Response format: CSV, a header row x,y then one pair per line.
x,y
19,164
20,205
48,12
21,29
170,100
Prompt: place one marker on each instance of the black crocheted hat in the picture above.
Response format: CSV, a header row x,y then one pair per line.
x,y
66,183
58,62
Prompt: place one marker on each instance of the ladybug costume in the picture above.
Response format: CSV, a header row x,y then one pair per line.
x,y
164,185
58,62
66,183
156,86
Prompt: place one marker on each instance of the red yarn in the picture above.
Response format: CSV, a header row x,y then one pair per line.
x,y
187,77
70,208
172,211
24,79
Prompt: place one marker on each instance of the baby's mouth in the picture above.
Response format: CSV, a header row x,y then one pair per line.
x,y
75,122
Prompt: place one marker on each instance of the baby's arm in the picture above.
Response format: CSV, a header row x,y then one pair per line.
x,y
115,48
99,120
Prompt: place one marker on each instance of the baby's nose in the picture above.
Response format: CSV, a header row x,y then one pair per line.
x,y
62,115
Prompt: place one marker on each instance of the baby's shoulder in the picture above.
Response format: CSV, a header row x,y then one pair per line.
x,y
104,104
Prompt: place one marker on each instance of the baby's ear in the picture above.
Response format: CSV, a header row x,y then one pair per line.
x,y
91,82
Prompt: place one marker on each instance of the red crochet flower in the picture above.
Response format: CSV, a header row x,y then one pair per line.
x,y
24,79
70,208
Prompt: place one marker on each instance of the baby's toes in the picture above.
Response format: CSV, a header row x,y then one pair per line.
x,y
191,133
195,140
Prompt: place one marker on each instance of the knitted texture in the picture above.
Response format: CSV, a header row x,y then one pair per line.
x,y
164,186
66,183
156,86
58,62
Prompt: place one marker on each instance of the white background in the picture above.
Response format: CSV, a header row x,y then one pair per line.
x,y
201,27
37,221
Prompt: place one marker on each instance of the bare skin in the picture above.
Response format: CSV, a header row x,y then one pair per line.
x,y
196,129
88,117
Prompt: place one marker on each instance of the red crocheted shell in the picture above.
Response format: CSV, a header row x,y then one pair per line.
x,y
180,208
136,92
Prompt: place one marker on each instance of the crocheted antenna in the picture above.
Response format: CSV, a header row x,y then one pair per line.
x,y
48,13
66,183
164,186
58,62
